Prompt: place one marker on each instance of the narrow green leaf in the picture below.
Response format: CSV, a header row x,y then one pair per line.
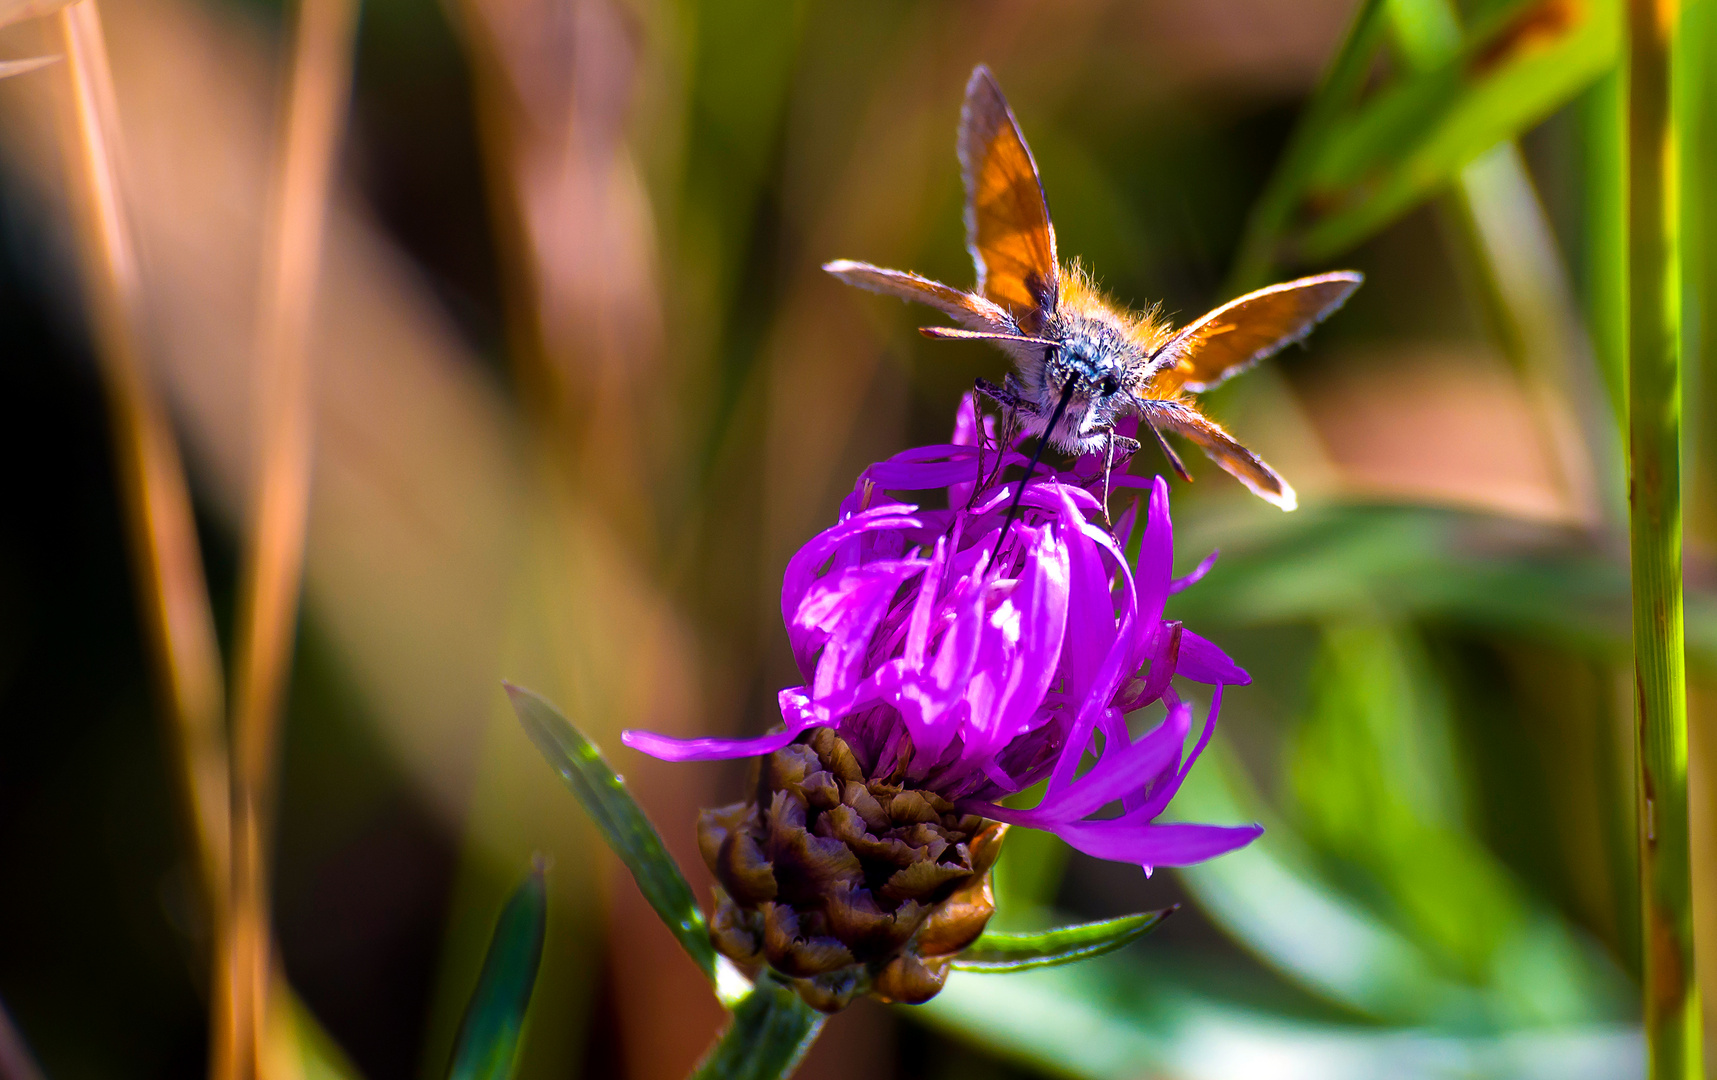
x,y
1118,1020
1342,84
771,1030
996,953
625,828
1415,136
488,1038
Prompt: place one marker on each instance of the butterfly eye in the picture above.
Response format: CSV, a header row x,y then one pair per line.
x,y
1110,386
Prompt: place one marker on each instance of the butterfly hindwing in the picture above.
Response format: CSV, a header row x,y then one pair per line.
x,y
1007,219
975,312
1239,462
1246,330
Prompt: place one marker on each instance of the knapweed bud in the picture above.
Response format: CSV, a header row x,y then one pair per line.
x,y
845,882
949,663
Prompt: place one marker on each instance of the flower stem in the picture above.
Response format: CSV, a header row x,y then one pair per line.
x,y
771,1031
1672,1015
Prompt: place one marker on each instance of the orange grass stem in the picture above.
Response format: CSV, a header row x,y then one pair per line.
x,y
315,106
1672,1013
166,560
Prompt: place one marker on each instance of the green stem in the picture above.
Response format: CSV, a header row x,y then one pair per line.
x,y
771,1031
1604,125
1672,1015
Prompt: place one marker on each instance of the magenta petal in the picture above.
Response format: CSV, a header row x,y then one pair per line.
x,y
1024,641
846,609
1203,662
1180,584
1157,845
1117,774
667,749
1156,555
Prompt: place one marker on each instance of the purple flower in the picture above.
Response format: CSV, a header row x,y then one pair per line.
x,y
977,673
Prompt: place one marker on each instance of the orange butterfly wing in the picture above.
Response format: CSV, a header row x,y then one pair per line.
x,y
1239,462
975,311
1007,219
1244,331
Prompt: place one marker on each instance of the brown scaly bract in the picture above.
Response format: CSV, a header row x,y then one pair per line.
x,y
846,884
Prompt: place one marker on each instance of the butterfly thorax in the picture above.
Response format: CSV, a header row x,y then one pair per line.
x,y
1103,355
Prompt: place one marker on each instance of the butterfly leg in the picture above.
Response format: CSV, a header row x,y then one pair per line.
x,y
1174,460
1005,396
1012,405
1115,445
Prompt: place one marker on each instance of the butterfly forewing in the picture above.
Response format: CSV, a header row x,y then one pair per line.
x,y
1244,331
1222,448
975,311
1007,220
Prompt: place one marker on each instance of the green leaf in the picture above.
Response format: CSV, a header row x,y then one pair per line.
x,y
997,953
1115,1019
488,1038
1413,138
772,1028
1342,84
624,827
1351,170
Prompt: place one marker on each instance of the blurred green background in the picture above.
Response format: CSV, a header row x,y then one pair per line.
x,y
581,389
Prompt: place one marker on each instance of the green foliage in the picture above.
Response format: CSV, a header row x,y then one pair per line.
x,y
1003,953
771,1030
488,1040
624,827
1357,165
1113,1020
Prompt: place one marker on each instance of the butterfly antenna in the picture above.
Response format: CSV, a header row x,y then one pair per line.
x,y
1037,456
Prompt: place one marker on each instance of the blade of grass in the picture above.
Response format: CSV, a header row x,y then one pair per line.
x,y
771,1031
1341,85
1413,138
999,953
166,560
488,1038
1604,282
1507,237
628,833
1672,1012
1604,123
315,105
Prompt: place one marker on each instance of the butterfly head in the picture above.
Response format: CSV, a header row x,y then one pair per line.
x,y
1096,360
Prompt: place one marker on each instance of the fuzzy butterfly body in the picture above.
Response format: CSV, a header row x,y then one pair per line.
x,y
1083,363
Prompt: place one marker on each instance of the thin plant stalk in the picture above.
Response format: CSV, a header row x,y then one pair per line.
x,y
315,106
1513,249
1672,1014
166,561
1604,126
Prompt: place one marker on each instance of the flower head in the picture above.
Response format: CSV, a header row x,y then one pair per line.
x,y
950,657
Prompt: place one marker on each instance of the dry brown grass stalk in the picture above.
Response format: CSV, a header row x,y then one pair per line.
x,y
165,556
315,105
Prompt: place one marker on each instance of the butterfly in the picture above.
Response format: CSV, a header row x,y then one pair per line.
x,y
1082,362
